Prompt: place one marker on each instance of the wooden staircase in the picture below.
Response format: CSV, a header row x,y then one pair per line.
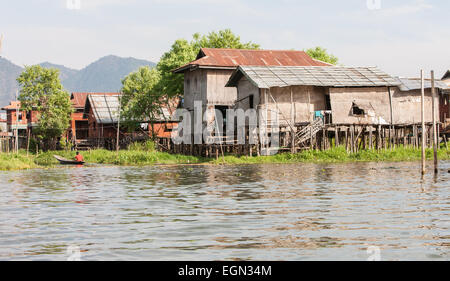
x,y
309,132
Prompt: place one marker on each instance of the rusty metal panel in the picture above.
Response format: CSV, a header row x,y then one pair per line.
x,y
235,57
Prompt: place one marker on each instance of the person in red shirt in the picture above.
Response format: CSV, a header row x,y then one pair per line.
x,y
79,157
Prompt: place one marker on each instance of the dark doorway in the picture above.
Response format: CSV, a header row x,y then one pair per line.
x,y
223,109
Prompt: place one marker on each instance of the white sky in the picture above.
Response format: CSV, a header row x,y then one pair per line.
x,y
401,37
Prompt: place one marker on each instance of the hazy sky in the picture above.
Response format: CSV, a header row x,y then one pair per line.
x,y
400,37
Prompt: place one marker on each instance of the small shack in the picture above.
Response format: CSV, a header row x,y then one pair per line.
x,y
313,102
15,117
205,78
79,126
102,113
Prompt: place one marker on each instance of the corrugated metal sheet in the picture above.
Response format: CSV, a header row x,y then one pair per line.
x,y
332,76
446,75
79,99
409,84
234,57
105,108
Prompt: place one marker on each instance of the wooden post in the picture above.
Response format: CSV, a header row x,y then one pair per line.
x,y
28,140
391,117
346,139
16,144
293,150
435,136
336,141
424,131
118,127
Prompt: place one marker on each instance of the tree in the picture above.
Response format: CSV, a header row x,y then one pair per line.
x,y
321,54
41,91
183,52
141,99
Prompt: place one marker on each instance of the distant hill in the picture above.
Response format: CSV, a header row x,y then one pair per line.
x,y
103,75
8,85
64,72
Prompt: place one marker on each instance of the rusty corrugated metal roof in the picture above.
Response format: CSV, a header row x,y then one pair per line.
x,y
266,77
79,99
231,58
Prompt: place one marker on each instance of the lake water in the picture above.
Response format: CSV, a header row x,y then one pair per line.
x,y
260,212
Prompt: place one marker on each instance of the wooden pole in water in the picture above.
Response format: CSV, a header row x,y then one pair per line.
x,y
435,135
422,78
16,145
118,126
293,136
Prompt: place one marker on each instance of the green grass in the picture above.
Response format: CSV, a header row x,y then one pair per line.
x,y
9,162
338,155
144,155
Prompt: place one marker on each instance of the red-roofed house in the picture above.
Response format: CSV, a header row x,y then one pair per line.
x,y
79,127
205,78
13,121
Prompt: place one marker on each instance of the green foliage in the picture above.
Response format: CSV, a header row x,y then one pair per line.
x,y
142,100
65,144
41,90
148,146
321,54
183,52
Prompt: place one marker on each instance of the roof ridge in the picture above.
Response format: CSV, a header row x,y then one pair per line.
x,y
254,50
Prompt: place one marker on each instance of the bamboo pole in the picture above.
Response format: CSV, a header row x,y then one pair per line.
x,y
293,141
435,136
118,126
422,78
16,145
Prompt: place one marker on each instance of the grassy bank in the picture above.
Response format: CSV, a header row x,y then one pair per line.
x,y
338,155
143,156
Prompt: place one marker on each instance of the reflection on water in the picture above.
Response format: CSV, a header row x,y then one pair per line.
x,y
260,212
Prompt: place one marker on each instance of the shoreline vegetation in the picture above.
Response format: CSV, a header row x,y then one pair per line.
x,y
146,155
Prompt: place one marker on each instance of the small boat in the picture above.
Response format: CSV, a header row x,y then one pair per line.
x,y
65,161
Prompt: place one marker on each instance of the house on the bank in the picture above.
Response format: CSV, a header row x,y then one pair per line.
x,y
102,113
344,95
205,78
79,126
16,118
409,94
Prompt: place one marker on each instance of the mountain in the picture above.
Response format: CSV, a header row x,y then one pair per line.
x,y
64,72
103,75
8,84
